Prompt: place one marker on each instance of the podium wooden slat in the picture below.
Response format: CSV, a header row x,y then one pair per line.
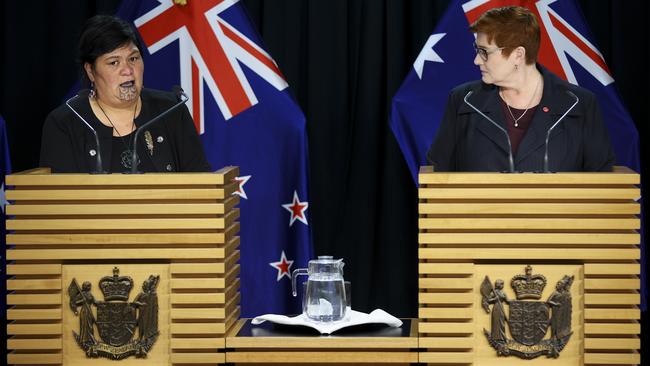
x,y
536,194
197,343
532,238
34,284
76,195
436,313
604,269
612,358
182,226
453,298
612,343
120,209
472,224
482,253
34,299
198,358
613,299
123,238
530,208
33,269
612,329
35,358
34,314
29,329
35,343
447,342
542,223
117,224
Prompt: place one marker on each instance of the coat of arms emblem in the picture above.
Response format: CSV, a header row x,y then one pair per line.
x,y
117,319
528,320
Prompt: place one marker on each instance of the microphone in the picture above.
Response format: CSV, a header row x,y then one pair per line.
x,y
548,133
99,169
510,157
182,99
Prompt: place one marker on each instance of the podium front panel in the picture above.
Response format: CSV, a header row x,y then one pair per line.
x,y
564,250
134,244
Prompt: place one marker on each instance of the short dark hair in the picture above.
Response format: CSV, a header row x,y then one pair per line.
x,y
511,27
102,34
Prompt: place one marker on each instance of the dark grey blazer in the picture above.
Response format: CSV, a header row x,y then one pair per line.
x,y
466,141
68,146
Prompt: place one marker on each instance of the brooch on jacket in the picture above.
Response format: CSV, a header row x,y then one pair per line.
x,y
149,141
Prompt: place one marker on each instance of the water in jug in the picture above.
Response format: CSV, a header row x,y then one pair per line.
x,y
325,291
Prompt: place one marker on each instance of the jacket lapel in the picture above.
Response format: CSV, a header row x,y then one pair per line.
x,y
555,102
486,99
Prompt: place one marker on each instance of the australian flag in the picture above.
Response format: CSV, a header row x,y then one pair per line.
x,y
5,168
447,58
245,115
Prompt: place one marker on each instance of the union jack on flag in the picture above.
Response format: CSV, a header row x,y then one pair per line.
x,y
245,115
446,60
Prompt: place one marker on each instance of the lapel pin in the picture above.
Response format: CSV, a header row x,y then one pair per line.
x,y
545,109
149,140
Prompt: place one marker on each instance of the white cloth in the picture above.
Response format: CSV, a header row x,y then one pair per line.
x,y
351,318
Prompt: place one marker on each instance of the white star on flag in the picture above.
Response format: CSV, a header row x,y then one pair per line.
x,y
297,209
283,267
428,54
3,199
240,189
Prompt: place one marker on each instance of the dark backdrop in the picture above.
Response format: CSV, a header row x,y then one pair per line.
x,y
344,60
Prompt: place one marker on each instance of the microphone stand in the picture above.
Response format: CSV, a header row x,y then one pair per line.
x,y
99,168
548,133
511,160
134,157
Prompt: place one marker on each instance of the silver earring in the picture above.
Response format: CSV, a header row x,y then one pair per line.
x,y
92,93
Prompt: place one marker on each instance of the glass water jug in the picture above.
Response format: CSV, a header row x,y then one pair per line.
x,y
325,291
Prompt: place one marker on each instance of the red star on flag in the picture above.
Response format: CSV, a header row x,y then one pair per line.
x,y
297,209
283,267
240,189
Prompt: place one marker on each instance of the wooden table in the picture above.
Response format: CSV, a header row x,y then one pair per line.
x,y
273,344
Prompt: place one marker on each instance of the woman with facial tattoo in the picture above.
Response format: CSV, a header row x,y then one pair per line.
x,y
116,106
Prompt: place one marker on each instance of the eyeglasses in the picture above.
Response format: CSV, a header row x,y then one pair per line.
x,y
484,53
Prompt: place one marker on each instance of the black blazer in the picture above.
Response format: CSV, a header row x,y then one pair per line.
x,y
68,146
466,141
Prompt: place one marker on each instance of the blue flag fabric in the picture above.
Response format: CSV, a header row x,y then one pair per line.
x,y
246,117
446,60
5,168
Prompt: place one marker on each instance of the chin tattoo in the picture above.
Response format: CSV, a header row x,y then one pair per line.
x,y
128,93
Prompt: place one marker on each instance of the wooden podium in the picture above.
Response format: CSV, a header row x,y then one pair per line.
x,y
181,227
474,225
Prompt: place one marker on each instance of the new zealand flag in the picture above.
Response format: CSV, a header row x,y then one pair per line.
x,y
447,58
246,116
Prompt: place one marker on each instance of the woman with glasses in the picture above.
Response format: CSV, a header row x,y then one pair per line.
x,y
500,123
